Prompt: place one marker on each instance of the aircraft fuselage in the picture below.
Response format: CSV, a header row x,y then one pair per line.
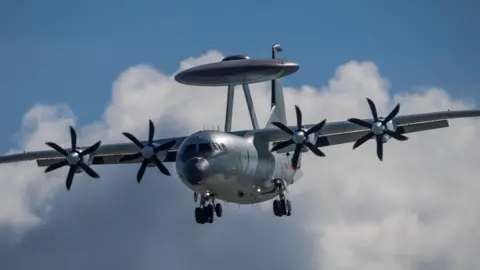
x,y
232,168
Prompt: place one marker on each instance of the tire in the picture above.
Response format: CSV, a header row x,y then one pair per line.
x,y
289,208
218,210
276,208
283,207
209,212
199,215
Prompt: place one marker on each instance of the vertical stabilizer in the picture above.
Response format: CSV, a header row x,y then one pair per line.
x,y
272,117
277,112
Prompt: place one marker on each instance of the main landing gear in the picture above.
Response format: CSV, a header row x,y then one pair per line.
x,y
281,206
208,209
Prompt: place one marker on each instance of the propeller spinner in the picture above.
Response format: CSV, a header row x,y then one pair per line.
x,y
299,138
73,158
378,128
148,152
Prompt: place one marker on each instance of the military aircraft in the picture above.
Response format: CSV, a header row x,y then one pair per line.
x,y
247,166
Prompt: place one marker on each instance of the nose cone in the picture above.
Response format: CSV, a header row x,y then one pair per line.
x,y
195,170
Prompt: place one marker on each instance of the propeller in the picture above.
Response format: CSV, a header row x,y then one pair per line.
x,y
299,138
148,152
73,158
378,128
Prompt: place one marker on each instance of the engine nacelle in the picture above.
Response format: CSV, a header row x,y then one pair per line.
x,y
88,159
311,138
161,155
390,126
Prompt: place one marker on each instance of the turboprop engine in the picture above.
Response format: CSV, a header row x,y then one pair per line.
x,y
382,129
302,140
75,158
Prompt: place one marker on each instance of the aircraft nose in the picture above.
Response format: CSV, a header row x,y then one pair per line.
x,y
195,170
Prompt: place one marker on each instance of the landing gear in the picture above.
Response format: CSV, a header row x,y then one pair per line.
x,y
204,214
208,209
281,206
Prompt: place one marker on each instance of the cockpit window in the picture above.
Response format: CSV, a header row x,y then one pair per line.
x,y
205,148
189,151
197,150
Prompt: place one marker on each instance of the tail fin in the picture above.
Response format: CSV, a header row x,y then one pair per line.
x,y
277,112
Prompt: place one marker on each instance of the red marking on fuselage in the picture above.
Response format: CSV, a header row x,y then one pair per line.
x,y
289,166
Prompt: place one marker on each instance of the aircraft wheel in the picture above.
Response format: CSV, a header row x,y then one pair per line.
x,y
277,208
209,213
199,215
218,210
283,207
289,207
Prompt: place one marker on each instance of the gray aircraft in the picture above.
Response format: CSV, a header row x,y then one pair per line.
x,y
243,167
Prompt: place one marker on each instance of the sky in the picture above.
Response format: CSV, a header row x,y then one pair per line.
x,y
107,68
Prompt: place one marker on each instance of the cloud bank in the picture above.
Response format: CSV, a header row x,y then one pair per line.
x,y
419,209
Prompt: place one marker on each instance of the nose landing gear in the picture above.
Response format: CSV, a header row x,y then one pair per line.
x,y
208,209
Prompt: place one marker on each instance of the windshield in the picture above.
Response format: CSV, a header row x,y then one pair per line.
x,y
205,148
196,150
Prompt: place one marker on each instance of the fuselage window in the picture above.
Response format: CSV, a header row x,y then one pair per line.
x,y
224,148
215,146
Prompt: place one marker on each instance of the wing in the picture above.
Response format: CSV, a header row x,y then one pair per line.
x,y
334,133
105,154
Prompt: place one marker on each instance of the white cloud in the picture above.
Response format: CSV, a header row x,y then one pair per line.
x,y
416,210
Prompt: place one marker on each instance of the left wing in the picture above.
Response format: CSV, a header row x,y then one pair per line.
x,y
341,132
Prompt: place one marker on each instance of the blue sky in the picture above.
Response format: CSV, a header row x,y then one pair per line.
x,y
71,51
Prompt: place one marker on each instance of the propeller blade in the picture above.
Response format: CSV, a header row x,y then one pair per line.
x,y
281,145
314,149
146,161
71,173
151,131
165,146
378,138
56,165
160,165
359,122
392,114
298,112
373,109
396,135
363,139
57,148
90,149
296,155
379,147
88,170
283,127
73,136
316,128
133,139
141,171
130,157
